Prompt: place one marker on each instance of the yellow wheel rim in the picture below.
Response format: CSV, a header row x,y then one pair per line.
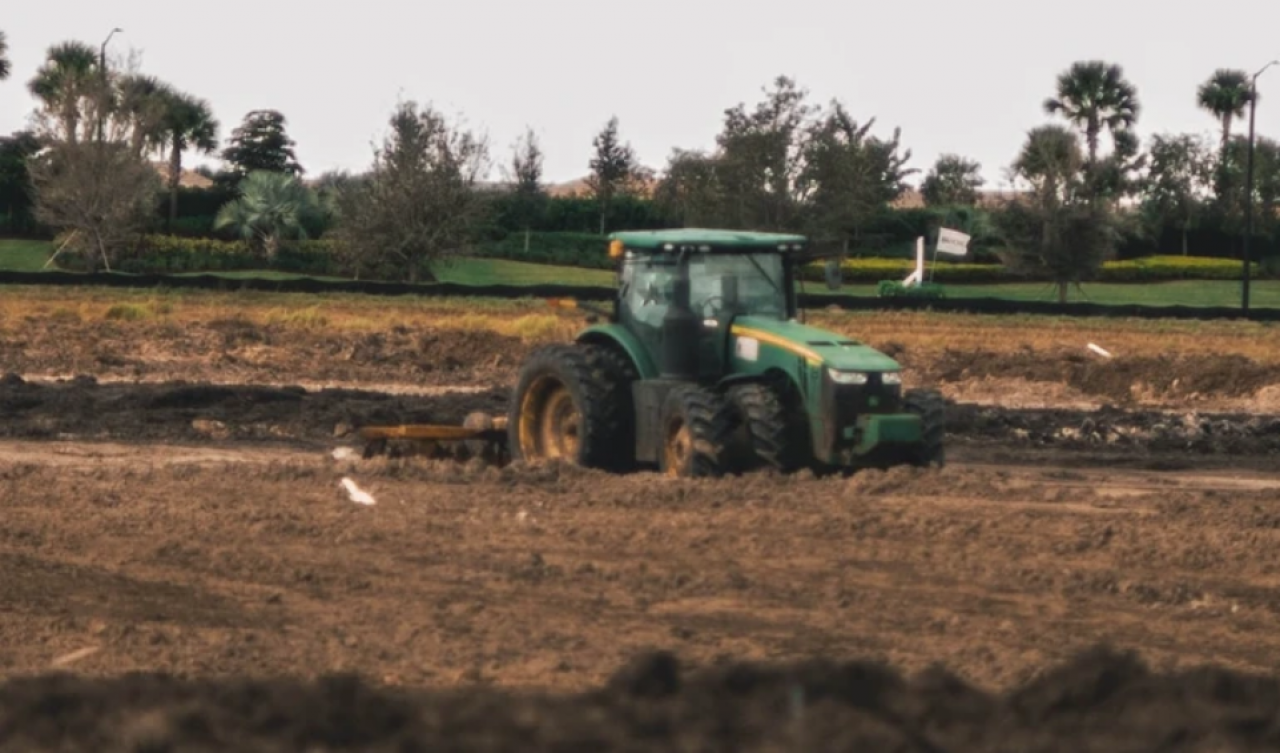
x,y
677,448
550,423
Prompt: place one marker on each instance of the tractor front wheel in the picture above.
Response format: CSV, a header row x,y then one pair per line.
x,y
693,429
767,433
568,405
932,409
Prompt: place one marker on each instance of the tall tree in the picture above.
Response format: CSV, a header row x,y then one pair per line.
x,y
63,85
1094,95
98,191
952,181
613,167
528,198
690,189
1178,180
16,152
762,157
848,175
262,143
5,66
418,203
1059,231
1225,96
187,122
144,99
272,206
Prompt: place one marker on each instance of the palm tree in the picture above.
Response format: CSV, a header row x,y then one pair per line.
x,y
271,205
1225,95
64,78
1049,160
186,123
5,66
1094,95
144,100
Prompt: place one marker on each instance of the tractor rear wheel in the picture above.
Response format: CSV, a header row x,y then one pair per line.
x,y
694,423
932,409
767,434
570,404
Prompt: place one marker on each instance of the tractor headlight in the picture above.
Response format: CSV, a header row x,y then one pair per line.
x,y
891,378
847,377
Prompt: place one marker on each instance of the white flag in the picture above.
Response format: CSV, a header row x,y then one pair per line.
x,y
952,242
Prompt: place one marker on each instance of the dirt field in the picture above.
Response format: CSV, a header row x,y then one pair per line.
x,y
198,529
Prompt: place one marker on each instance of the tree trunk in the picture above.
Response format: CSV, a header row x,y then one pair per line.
x,y
175,177
1185,228
1062,291
526,241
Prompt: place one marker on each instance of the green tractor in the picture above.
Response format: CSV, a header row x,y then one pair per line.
x,y
702,368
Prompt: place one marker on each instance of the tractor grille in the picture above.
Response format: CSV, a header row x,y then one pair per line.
x,y
852,400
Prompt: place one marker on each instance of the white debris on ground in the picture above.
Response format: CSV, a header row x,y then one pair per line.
x,y
344,453
356,494
1100,351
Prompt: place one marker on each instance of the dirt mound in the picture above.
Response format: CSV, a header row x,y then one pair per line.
x,y
236,349
1116,429
82,408
1121,380
1100,701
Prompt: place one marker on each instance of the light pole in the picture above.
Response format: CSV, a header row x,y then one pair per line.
x,y
1248,184
102,69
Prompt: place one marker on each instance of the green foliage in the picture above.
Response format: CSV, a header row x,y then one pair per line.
x,y
614,170
261,143
271,207
419,203
6,67
585,250
1225,96
896,289
952,181
1095,96
160,254
15,183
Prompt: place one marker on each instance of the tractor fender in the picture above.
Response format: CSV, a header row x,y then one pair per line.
x,y
619,337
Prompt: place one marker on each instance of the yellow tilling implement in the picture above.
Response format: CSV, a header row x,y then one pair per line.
x,y
480,436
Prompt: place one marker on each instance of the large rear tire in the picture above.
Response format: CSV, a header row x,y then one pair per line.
x,y
767,434
694,428
571,403
932,409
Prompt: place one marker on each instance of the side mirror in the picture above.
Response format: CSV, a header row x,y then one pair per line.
x,y
834,273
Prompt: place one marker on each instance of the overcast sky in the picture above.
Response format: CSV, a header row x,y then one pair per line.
x,y
966,77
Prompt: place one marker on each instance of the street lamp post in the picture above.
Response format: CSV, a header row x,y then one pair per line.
x,y
102,69
1248,185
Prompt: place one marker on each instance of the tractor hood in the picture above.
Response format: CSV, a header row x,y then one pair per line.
x,y
814,344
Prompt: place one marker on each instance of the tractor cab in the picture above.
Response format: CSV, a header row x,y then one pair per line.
x,y
679,291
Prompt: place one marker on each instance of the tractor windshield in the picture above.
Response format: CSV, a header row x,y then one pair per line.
x,y
758,279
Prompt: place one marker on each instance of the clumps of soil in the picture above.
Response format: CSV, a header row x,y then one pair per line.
x,y
1119,380
82,408
1101,700
1200,434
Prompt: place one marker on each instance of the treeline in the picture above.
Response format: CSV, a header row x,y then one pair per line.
x,y
101,172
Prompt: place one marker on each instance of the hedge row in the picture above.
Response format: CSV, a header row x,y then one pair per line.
x,y
173,254
1149,269
167,254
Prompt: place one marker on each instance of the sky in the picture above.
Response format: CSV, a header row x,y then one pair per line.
x,y
968,78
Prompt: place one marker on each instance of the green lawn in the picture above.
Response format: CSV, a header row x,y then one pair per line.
x,y
1262,293
503,272
31,256
24,256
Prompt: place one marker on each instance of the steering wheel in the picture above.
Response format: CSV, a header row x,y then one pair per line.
x,y
707,302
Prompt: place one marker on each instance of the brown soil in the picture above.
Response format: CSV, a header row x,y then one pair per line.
x,y
1100,701
200,530
238,350
551,578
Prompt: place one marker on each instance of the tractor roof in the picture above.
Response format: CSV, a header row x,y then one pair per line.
x,y
670,240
